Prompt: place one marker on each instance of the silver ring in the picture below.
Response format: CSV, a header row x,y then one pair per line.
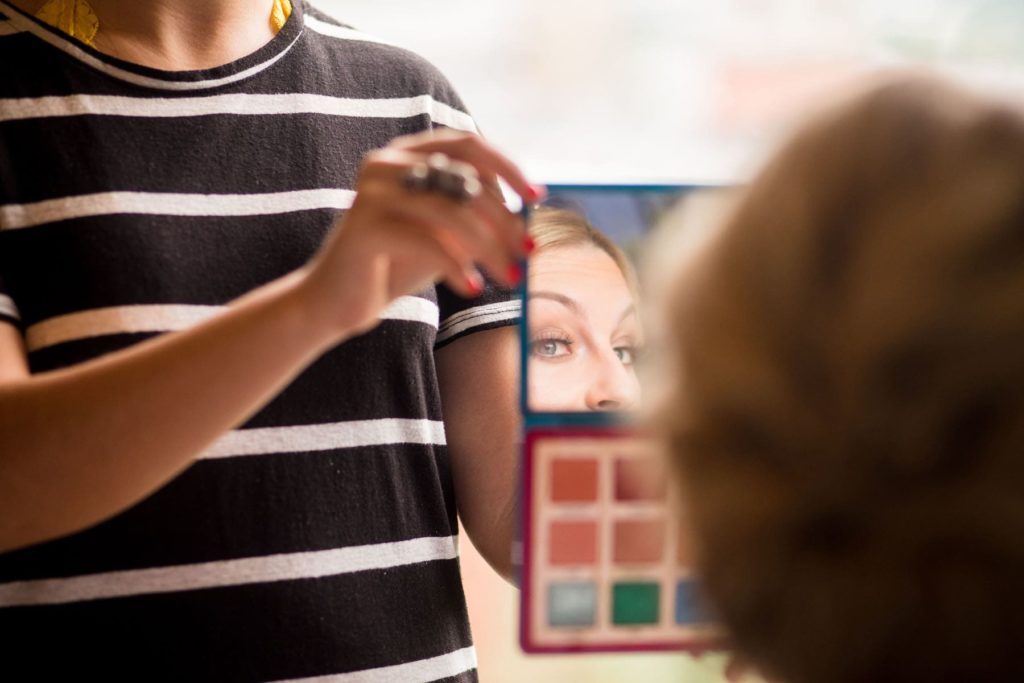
x,y
455,180
418,177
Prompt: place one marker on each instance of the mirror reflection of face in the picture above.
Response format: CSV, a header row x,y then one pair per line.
x,y
584,332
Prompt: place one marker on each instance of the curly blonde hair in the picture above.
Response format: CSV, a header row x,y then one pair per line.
x,y
848,422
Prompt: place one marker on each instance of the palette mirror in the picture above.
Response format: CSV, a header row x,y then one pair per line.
x,y
605,567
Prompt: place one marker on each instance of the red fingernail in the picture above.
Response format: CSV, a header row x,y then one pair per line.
x,y
515,274
539,191
529,244
474,285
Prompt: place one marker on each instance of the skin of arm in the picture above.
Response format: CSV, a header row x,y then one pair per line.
x,y
102,435
479,379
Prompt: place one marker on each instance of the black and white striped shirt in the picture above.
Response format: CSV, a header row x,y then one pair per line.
x,y
319,538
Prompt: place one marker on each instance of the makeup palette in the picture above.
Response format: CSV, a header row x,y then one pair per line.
x,y
604,566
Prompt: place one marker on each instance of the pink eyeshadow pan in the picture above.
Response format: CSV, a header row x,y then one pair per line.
x,y
572,543
639,479
639,541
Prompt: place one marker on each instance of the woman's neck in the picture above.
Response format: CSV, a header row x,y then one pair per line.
x,y
178,35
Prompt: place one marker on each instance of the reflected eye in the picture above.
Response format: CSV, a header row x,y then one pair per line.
x,y
551,348
626,354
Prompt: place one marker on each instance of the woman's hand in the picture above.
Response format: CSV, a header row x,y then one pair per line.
x,y
396,241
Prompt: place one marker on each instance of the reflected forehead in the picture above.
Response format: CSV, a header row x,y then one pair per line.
x,y
584,260
585,280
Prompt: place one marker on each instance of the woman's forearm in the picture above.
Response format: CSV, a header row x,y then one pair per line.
x,y
81,444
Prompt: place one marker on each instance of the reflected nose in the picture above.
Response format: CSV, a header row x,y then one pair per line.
x,y
613,388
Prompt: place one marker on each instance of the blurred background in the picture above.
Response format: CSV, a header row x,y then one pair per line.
x,y
677,89
665,91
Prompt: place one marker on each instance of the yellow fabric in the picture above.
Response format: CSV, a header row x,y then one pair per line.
x,y
73,17
77,19
279,14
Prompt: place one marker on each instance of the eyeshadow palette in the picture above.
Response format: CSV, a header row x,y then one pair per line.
x,y
603,566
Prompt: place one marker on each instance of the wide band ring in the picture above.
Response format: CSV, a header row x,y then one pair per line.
x,y
455,180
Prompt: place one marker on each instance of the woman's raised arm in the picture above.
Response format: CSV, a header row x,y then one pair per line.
x,y
80,444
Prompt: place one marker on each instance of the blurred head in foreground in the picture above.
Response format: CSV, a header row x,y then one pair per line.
x,y
584,329
848,418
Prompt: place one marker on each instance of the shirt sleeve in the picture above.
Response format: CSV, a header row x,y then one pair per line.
x,y
496,307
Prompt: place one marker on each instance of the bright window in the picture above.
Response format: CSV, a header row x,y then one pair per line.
x,y
678,89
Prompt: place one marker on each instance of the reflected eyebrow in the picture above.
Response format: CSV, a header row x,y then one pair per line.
x,y
566,301
574,305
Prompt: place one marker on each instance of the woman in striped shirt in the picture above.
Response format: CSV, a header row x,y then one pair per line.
x,y
223,454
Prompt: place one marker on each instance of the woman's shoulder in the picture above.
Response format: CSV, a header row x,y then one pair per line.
x,y
355,54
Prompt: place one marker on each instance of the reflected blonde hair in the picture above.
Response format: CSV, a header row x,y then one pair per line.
x,y
848,423
553,228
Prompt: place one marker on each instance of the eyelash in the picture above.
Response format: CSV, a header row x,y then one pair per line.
x,y
549,338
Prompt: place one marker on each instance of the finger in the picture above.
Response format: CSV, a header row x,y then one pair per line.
x,y
496,234
488,161
488,176
420,144
454,265
476,237
380,188
508,227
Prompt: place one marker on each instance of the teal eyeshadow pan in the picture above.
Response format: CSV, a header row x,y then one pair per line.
x,y
635,603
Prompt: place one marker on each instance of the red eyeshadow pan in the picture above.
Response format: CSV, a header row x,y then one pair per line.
x,y
572,543
639,541
574,480
639,479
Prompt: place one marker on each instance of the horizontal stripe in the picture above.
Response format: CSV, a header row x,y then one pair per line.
x,y
281,153
55,39
323,437
228,573
412,309
241,104
352,381
14,216
231,508
449,116
512,305
343,32
7,306
116,320
108,261
433,669
172,317
479,316
256,632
